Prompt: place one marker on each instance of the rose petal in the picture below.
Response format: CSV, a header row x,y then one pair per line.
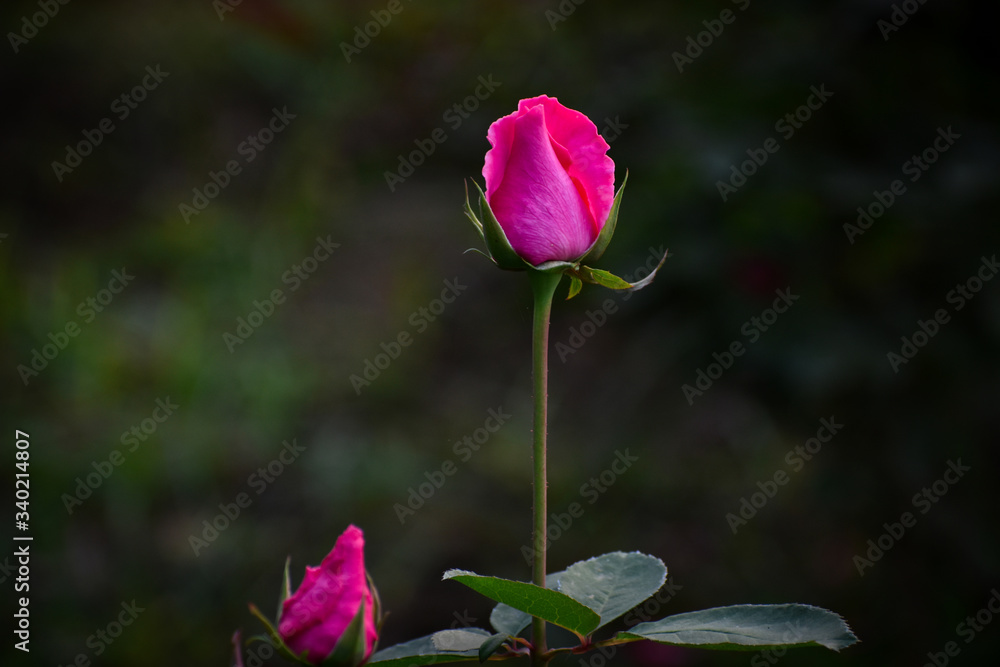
x,y
501,137
536,202
316,615
591,167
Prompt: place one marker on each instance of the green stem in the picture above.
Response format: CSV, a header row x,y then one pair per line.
x,y
543,285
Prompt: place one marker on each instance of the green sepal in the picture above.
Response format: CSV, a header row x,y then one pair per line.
x,y
350,648
636,286
497,245
470,214
611,281
575,285
478,251
286,590
600,244
491,646
554,266
275,638
376,607
602,278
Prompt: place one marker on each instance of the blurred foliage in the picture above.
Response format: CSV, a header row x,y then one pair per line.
x,y
324,176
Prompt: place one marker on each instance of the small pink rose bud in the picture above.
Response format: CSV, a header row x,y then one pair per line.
x,y
549,180
317,615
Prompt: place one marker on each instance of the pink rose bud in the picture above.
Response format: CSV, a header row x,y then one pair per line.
x,y
549,180
320,611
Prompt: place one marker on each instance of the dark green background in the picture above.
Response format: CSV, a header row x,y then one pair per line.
x,y
324,176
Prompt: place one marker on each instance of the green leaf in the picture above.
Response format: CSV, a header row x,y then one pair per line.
x,y
749,627
613,583
496,241
491,646
463,639
508,620
543,603
610,585
600,244
575,285
444,646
